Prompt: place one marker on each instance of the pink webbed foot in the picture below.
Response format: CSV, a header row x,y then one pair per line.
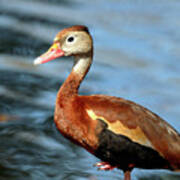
x,y
104,166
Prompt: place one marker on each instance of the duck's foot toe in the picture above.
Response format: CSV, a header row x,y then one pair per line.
x,y
104,166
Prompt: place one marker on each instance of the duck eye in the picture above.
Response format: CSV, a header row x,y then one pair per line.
x,y
70,39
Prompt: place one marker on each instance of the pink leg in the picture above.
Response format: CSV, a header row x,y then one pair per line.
x,y
127,175
104,166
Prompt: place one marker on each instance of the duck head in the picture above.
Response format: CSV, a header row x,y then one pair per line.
x,y
72,41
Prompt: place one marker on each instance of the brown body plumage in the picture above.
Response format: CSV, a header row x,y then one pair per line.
x,y
121,133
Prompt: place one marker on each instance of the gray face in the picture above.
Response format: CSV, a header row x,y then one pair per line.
x,y
76,43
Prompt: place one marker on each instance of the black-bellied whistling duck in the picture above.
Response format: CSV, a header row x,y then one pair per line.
x,y
121,133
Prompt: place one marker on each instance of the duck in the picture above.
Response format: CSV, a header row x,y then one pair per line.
x,y
121,133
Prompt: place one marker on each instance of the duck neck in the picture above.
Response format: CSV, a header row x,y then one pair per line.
x,y
80,68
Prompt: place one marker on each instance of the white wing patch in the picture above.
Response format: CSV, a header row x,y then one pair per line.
x,y
136,135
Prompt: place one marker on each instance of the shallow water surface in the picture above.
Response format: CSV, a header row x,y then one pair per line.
x,y
136,57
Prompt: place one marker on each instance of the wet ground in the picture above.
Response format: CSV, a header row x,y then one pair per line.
x,y
136,57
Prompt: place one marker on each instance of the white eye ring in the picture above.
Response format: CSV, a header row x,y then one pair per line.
x,y
70,39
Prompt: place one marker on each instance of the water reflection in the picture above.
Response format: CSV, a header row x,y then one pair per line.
x,y
136,57
18,43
